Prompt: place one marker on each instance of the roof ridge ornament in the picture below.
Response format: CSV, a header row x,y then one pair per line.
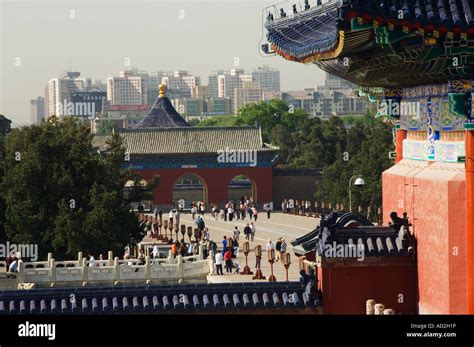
x,y
162,89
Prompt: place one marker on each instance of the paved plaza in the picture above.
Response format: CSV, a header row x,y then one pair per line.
x,y
279,225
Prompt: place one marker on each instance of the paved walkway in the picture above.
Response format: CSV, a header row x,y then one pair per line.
x,y
279,225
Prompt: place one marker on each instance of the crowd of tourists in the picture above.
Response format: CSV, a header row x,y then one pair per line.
x,y
299,206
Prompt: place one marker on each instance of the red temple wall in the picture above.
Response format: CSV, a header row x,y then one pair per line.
x,y
434,197
215,180
346,289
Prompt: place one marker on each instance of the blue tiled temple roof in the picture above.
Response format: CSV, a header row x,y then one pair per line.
x,y
163,115
156,299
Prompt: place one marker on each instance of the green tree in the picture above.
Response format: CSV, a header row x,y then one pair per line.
x,y
366,154
5,128
106,127
270,114
64,196
219,121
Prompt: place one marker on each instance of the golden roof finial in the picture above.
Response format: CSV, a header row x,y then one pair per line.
x,y
162,90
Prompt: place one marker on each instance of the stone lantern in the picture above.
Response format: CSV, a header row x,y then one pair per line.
x,y
258,255
286,263
246,249
271,260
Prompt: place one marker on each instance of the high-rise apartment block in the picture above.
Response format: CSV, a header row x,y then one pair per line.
x,y
130,88
60,89
181,80
268,78
37,110
248,93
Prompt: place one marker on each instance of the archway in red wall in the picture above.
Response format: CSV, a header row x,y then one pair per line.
x,y
241,186
190,187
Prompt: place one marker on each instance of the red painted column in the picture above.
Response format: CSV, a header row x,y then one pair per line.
x,y
469,142
400,135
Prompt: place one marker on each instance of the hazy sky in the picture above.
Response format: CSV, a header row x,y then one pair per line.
x,y
43,39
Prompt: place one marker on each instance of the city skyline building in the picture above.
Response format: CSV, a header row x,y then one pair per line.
x,y
249,93
60,89
181,80
268,78
130,88
37,110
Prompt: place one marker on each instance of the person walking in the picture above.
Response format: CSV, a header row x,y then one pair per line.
x,y
228,261
193,211
247,231
156,251
222,214
253,230
235,248
13,266
219,263
231,213
206,234
177,216
283,247
270,245
183,249
255,213
230,245
91,260
224,244
236,233
278,250
268,209
213,246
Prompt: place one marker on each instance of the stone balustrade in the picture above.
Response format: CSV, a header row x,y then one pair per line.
x,y
3,268
113,271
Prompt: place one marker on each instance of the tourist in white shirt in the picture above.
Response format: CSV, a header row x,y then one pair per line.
x,y
219,259
155,251
91,260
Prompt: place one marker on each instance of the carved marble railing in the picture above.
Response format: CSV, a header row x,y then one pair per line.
x,y
113,270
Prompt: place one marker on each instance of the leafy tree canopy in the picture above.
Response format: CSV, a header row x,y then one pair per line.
x,y
64,196
341,146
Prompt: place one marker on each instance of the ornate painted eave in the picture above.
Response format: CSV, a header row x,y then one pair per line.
x,y
384,43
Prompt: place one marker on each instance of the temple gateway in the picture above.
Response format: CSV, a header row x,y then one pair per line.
x,y
164,144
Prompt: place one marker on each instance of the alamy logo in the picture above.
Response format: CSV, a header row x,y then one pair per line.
x,y
335,250
237,156
19,250
395,108
68,108
37,330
